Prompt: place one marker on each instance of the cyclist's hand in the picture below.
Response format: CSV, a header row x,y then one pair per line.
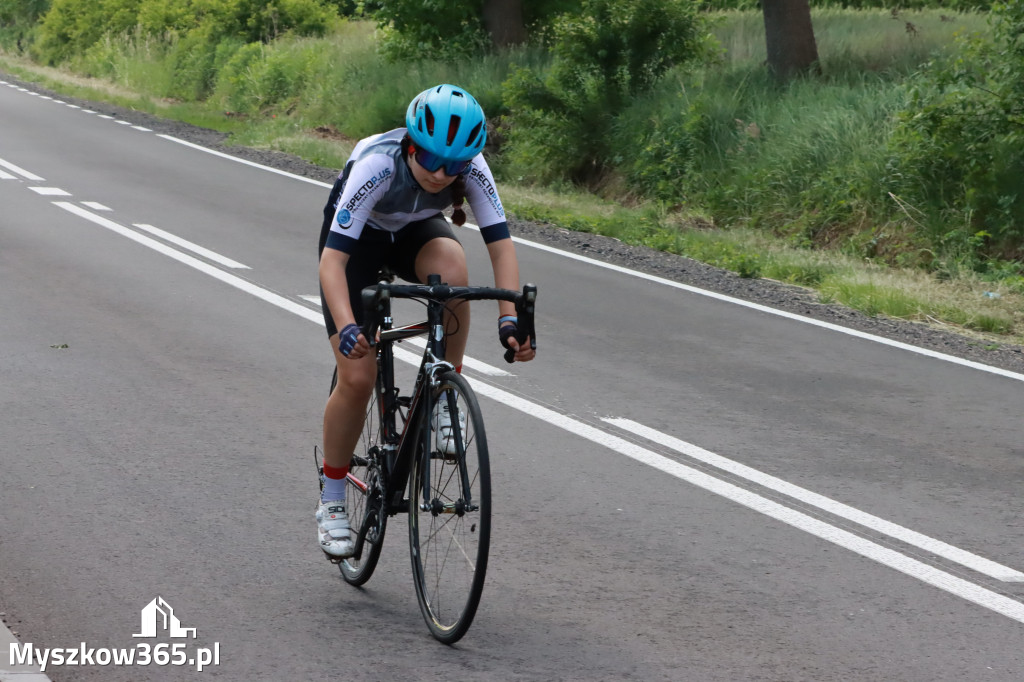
x,y
508,325
352,343
523,351
507,329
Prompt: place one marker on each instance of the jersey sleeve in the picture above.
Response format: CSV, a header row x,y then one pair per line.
x,y
484,200
368,180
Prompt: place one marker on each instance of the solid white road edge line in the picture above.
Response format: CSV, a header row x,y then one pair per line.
x,y
237,282
780,313
194,248
928,544
204,267
21,171
888,557
293,176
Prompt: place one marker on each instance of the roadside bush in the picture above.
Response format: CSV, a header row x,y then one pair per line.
x,y
71,27
440,29
193,61
959,147
562,119
18,19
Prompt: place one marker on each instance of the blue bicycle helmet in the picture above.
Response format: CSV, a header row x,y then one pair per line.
x,y
447,121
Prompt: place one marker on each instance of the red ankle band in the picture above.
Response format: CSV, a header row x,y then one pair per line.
x,y
335,472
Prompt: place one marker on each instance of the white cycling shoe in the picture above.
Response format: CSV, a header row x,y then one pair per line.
x,y
444,433
333,531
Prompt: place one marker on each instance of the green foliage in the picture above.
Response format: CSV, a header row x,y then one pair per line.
x,y
446,30
71,27
893,5
959,149
18,19
260,77
609,53
431,29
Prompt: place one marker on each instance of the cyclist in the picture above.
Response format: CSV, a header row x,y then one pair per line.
x,y
385,209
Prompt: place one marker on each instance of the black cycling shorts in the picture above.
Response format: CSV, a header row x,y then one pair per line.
x,y
377,248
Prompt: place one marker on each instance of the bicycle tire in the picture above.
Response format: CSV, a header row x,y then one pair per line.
x,y
366,500
449,550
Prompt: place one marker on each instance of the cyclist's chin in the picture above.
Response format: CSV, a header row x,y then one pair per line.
x,y
435,187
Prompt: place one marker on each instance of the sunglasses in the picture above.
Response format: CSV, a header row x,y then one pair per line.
x,y
431,162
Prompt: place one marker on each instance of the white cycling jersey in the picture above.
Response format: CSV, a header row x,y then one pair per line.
x,y
380,193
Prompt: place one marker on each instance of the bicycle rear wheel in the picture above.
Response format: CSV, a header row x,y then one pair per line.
x,y
363,499
450,516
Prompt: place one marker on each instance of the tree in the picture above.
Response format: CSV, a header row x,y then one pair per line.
x,y
503,20
789,36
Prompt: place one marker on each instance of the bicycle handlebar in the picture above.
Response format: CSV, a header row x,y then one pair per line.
x,y
375,298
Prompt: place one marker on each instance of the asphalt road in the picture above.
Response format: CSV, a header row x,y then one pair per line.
x,y
686,488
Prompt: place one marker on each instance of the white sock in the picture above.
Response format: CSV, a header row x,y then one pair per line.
x,y
334,490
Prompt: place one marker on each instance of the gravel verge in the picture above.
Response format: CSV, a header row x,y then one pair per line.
x,y
793,299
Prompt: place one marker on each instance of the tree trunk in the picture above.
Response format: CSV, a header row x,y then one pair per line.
x,y
504,22
790,37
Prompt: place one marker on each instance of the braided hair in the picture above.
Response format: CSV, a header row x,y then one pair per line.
x,y
458,195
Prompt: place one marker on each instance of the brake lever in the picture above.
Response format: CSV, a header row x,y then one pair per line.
x,y
524,313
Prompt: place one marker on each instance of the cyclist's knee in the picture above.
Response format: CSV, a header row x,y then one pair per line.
x,y
357,379
444,257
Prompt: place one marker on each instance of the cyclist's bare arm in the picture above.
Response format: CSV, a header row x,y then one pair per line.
x,y
332,279
506,276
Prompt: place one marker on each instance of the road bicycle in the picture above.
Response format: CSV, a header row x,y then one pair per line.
x,y
403,465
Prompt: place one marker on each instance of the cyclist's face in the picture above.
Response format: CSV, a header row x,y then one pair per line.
x,y
431,182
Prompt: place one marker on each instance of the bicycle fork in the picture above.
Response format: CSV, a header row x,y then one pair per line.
x,y
464,503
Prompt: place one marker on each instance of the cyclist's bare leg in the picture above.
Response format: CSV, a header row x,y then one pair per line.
x,y
445,257
346,407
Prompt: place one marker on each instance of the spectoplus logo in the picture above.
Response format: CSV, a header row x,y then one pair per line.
x,y
492,194
366,188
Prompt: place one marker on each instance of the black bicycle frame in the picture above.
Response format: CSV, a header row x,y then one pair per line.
x,y
400,444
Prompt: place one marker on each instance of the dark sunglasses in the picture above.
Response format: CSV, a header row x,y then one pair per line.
x,y
431,162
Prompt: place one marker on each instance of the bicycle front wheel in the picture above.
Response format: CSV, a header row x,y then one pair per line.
x,y
450,512
364,500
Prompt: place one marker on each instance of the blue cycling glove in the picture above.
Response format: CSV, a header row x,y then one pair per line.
x,y
508,325
348,338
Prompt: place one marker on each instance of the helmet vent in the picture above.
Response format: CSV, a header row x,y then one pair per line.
x,y
474,133
453,128
430,120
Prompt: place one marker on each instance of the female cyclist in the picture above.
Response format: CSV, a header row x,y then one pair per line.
x,y
385,209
